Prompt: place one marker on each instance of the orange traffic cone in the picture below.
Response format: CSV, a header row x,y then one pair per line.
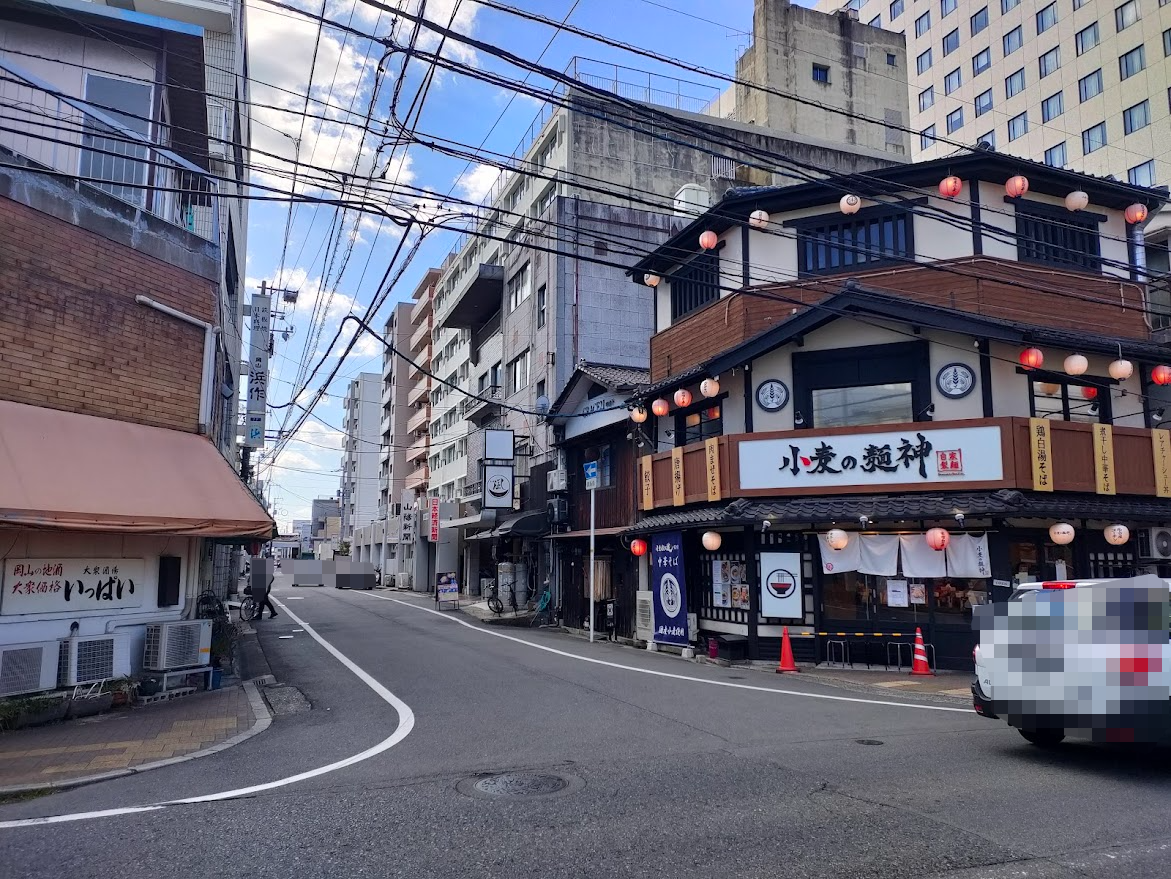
x,y
786,665
919,665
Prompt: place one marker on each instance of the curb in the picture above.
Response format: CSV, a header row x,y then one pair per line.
x,y
262,722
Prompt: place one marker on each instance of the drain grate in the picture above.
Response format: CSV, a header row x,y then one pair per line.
x,y
519,785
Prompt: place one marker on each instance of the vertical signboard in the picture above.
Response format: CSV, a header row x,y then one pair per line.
x,y
1161,447
711,451
677,496
647,481
1104,458
1039,447
669,589
433,518
254,419
780,588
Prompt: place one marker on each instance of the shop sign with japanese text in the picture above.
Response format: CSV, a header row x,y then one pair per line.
x,y
932,457
68,585
669,589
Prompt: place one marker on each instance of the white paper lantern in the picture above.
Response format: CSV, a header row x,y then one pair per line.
x,y
1077,200
638,414
850,204
1061,533
758,219
651,280
1116,535
1121,370
836,538
712,540
1076,364
710,387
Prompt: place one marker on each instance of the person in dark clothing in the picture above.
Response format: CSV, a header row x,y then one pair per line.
x,y
263,601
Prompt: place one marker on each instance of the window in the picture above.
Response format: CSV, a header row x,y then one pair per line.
x,y
951,42
540,389
518,374
927,137
947,7
495,374
519,287
955,120
1055,155
696,285
1132,62
892,59
926,98
952,81
1053,236
922,24
820,73
1142,175
541,306
1094,138
1136,117
1126,15
1015,83
875,22
987,138
1018,126
696,426
869,404
1050,61
1064,401
979,21
120,166
981,61
1167,42
896,9
1052,107
1089,86
833,243
1047,17
1006,5
1086,38
923,62
1013,40
983,102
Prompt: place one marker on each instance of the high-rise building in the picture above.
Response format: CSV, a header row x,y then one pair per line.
x,y
362,408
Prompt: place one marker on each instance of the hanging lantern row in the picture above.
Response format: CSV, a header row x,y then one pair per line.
x,y
709,387
1017,186
938,539
1161,375
1136,213
1077,364
638,414
1076,201
1063,533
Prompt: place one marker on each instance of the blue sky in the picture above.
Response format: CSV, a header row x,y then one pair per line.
x,y
457,107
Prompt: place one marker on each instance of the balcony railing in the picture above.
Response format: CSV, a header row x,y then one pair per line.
x,y
1159,301
421,308
71,136
417,478
419,392
418,448
472,407
422,333
419,420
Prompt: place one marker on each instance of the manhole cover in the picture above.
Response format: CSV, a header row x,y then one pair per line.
x,y
868,741
519,785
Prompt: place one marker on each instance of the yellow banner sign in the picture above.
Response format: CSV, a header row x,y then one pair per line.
x,y
647,481
711,449
1104,458
1041,454
677,476
1161,446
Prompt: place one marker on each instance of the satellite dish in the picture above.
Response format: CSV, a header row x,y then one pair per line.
x,y
543,404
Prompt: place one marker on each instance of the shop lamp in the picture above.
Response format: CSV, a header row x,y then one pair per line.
x,y
638,414
836,538
1090,393
638,547
710,387
1121,370
1061,533
660,407
1076,201
651,280
1136,213
849,204
950,186
1017,186
683,398
708,240
1032,358
1076,364
712,540
1116,535
1161,375
758,219
938,539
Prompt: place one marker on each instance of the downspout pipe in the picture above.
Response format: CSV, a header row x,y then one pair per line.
x,y
210,331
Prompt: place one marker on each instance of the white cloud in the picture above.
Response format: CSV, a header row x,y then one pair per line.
x,y
477,182
295,460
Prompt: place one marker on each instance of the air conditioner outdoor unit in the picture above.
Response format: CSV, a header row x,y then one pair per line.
x,y
28,668
558,511
1154,543
556,480
86,660
177,645
644,616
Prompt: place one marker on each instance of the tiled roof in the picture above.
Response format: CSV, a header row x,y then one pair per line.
x,y
617,377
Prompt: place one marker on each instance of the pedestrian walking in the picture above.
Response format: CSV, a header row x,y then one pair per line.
x,y
263,601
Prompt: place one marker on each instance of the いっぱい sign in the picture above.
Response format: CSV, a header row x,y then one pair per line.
x,y
60,585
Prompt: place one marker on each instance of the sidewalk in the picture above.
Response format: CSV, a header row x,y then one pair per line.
x,y
125,742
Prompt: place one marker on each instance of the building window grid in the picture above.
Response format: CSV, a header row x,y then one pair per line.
x,y
696,285
896,9
955,120
1047,17
1087,38
1136,117
926,98
1089,86
1018,126
952,81
841,244
927,137
988,137
1126,15
923,24
923,62
1094,138
951,41
1050,62
1013,40
947,7
1142,175
1064,241
1052,107
1132,62
983,102
1055,156
1014,83
981,61
979,21
820,73
1007,5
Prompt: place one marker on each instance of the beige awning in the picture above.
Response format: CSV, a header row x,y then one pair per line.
x,y
67,472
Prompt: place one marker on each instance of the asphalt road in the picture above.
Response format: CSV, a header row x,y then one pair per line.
x,y
660,768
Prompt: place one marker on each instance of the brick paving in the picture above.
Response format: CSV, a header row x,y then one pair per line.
x,y
74,749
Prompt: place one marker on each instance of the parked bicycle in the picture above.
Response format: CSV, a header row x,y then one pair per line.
x,y
494,603
250,607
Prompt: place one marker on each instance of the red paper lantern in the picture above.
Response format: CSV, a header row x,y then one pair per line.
x,y
660,407
938,538
683,398
1032,358
951,186
1136,213
638,547
1017,186
1161,375
1090,393
708,240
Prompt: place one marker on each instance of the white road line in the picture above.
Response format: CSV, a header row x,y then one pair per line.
x,y
666,674
406,722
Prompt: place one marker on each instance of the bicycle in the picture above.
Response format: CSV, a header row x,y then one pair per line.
x,y
250,608
494,603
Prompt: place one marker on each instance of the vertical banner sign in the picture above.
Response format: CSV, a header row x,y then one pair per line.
x,y
1161,446
433,511
780,587
677,476
669,589
254,419
1104,458
711,452
647,481
1042,462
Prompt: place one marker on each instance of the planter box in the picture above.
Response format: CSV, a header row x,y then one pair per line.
x,y
87,706
48,711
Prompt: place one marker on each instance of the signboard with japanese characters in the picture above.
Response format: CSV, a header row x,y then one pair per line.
x,y
69,585
930,457
1104,459
669,588
258,350
677,493
711,452
433,519
647,481
1161,446
1039,448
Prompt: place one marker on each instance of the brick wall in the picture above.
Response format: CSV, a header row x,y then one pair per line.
x,y
72,337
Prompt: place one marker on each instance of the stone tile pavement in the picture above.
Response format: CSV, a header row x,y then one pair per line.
x,y
123,742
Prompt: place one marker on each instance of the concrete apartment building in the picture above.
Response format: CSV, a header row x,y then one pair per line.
x,y
362,414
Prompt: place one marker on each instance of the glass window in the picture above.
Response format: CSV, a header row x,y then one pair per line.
x,y
926,98
951,41
952,81
896,9
1089,86
955,120
701,425
983,102
979,21
519,288
981,61
927,137
1094,138
892,59
869,404
1015,83
923,62
988,138
923,24
695,285
1086,38
1142,175
833,242
105,154
1047,17
1132,62
1013,40
1059,401
1018,126
518,374
1126,15
1136,117
1167,41
875,22
1050,61
1052,107
947,7
1055,155
1006,5
1078,4
541,306
820,73
1056,237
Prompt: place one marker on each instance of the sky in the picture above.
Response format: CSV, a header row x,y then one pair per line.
x,y
339,280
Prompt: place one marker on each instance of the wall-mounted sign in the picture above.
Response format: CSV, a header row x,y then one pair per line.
x,y
258,370
499,445
711,452
1161,447
1104,459
433,518
669,589
646,479
865,459
677,493
599,404
772,395
955,380
68,585
1039,449
498,481
780,588
407,531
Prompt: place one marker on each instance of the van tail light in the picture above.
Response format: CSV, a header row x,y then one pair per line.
x,y
1058,584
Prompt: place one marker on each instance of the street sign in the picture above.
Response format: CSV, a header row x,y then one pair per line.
x,y
591,475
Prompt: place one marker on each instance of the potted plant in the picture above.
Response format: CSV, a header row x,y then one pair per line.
x,y
122,691
33,710
90,704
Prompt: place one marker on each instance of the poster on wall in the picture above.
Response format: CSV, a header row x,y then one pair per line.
x,y
69,585
918,593
446,588
896,593
738,588
669,589
780,590
721,583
